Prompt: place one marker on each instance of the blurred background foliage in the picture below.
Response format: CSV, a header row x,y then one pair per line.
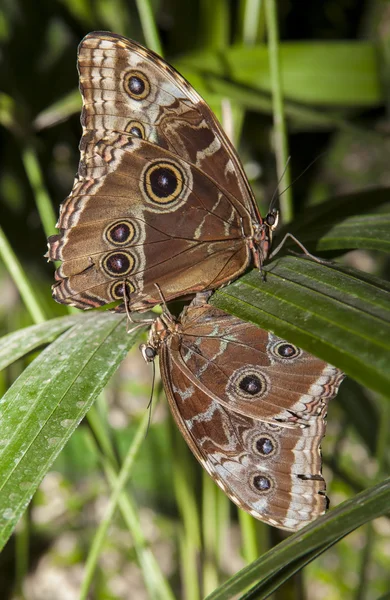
x,y
335,72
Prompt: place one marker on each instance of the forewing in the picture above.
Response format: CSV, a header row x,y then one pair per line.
x,y
160,195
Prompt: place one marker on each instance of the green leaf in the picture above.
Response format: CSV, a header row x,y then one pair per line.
x,y
47,402
371,232
338,314
21,342
339,223
277,565
324,73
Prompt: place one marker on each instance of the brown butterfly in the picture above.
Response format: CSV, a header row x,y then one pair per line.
x,y
251,407
160,195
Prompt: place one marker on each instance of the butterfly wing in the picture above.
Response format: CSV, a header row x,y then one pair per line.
x,y
252,371
270,468
160,195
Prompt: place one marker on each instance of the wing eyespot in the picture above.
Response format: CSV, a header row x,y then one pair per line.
x,y
120,233
265,446
118,264
262,484
136,85
136,129
119,289
248,383
285,351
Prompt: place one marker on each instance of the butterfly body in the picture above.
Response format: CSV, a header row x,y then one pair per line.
x,y
251,407
160,195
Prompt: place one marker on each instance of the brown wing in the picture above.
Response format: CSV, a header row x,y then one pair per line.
x,y
160,196
253,371
269,467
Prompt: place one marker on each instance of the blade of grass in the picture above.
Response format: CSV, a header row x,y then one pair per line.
x,y
153,578
252,12
214,24
149,27
21,280
209,527
42,199
250,549
280,133
190,543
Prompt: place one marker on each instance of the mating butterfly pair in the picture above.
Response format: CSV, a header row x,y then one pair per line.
x,y
161,198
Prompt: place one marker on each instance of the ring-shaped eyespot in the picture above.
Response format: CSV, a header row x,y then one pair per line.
x,y
162,182
118,264
136,85
285,351
120,233
264,446
119,288
260,483
136,129
248,383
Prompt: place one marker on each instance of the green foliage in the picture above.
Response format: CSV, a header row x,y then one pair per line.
x,y
145,501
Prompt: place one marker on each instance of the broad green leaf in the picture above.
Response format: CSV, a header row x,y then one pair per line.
x,y
323,73
21,342
371,232
47,402
288,557
343,223
213,89
338,314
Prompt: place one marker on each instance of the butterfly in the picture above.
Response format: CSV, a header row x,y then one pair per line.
x,y
160,195
251,407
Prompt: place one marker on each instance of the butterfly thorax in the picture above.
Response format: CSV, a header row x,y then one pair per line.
x,y
260,241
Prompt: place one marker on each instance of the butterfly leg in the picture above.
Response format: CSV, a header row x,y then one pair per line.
x,y
302,247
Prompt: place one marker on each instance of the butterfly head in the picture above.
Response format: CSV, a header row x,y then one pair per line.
x,y
148,352
272,220
162,328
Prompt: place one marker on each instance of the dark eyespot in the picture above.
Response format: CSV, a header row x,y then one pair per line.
x,y
265,446
248,383
261,483
163,182
137,85
251,384
286,350
136,129
120,233
119,288
118,263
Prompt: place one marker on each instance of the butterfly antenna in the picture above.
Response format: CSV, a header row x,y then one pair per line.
x,y
303,172
166,309
273,199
